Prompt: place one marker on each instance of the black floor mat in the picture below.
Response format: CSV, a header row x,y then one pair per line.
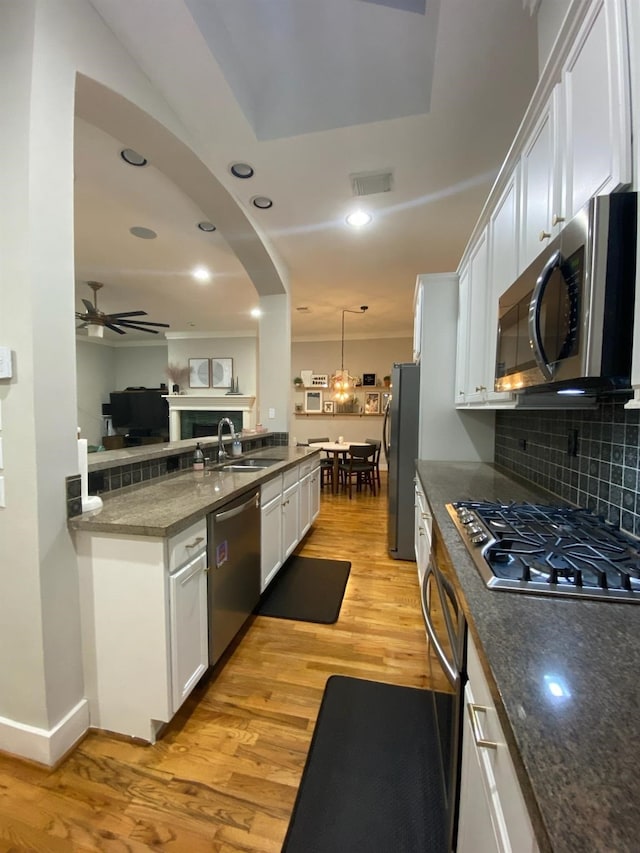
x,y
372,781
306,589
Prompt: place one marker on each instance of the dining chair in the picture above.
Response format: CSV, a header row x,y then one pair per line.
x,y
359,464
377,443
326,462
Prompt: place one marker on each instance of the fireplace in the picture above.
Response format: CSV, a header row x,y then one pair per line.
x,y
183,407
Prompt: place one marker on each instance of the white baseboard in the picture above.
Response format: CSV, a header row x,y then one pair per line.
x,y
46,746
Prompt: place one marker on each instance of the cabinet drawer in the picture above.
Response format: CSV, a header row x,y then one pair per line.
x,y
291,477
306,467
270,490
184,546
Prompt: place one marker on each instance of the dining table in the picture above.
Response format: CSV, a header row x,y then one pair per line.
x,y
338,449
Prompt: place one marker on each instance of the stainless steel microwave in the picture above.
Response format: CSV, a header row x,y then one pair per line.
x,y
567,321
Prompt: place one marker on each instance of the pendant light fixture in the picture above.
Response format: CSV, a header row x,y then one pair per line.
x,y
342,383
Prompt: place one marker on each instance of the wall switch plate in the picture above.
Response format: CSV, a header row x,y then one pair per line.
x,y
2,501
272,414
6,371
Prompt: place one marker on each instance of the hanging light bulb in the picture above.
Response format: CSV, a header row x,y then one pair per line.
x,y
342,383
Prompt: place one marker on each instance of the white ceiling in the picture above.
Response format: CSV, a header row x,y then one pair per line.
x,y
308,93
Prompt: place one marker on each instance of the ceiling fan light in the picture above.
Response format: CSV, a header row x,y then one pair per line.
x,y
95,331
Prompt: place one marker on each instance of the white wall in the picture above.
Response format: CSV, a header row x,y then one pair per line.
x,y
242,350
95,371
139,366
360,356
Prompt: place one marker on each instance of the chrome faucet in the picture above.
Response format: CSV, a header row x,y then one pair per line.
x,y
222,453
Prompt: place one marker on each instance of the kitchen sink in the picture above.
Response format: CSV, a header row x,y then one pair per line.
x,y
249,464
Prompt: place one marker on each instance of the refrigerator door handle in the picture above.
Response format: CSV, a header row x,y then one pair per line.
x,y
385,431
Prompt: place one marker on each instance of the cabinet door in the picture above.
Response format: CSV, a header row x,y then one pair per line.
x,y
539,184
422,540
462,340
305,505
271,541
189,628
290,519
479,827
314,494
596,108
477,355
418,301
504,232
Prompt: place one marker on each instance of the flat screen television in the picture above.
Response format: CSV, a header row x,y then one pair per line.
x,y
140,410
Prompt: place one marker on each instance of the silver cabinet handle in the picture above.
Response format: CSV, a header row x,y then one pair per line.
x,y
195,542
473,710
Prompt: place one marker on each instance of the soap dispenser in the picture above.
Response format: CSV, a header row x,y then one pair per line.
x,y
236,446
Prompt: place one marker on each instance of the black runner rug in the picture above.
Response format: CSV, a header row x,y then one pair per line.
x,y
372,781
307,589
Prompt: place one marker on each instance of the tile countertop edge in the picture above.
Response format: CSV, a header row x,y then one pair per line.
x,y
109,518
562,749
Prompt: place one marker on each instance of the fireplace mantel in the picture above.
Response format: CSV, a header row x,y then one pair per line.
x,y
208,403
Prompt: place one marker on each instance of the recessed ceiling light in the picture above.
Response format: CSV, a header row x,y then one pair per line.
x,y
133,158
201,274
206,226
241,170
143,233
262,202
256,312
359,218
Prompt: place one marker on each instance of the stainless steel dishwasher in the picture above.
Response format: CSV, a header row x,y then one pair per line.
x,y
234,568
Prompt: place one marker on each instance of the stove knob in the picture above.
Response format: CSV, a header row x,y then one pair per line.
x,y
473,529
467,517
479,538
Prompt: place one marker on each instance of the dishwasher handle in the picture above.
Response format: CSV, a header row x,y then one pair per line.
x,y
237,510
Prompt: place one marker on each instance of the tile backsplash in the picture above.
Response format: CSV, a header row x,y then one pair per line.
x,y
587,457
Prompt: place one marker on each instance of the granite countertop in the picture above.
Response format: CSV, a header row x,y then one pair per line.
x,y
577,757
164,506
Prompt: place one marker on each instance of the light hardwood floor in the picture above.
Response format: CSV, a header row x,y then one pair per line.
x,y
225,773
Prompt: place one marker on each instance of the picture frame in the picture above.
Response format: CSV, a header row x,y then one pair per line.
x,y
221,372
199,376
328,407
372,403
369,379
313,401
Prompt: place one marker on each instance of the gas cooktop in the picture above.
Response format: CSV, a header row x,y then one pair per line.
x,y
549,550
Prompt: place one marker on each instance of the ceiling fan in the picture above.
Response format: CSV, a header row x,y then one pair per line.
x,y
96,320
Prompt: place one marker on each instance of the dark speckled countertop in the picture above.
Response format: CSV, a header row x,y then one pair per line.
x,y
578,758
167,505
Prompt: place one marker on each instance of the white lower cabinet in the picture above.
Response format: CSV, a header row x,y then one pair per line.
x,y
289,504
189,627
144,626
493,814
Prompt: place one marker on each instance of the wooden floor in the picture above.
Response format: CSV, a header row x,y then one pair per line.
x,y
225,773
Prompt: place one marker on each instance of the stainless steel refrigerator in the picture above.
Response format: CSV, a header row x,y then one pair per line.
x,y
400,441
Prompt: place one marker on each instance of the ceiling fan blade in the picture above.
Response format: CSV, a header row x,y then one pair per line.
x,y
114,328
89,306
139,323
132,326
128,314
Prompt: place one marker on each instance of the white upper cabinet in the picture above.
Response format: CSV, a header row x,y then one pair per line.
x,y
596,108
462,339
540,183
504,228
418,298
479,378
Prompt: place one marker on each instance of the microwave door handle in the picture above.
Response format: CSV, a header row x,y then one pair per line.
x,y
534,314
453,676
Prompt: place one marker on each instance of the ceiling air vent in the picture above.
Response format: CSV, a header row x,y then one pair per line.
x,y
371,183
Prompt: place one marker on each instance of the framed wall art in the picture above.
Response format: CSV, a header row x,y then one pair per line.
x,y
328,407
372,403
198,373
221,372
313,401
368,379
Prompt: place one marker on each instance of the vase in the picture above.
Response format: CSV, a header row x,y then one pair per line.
x,y
175,389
